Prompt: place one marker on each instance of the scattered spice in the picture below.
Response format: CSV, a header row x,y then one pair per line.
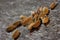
x,y
33,21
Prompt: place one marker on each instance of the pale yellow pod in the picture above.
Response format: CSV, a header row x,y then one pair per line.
x,y
16,34
27,20
52,5
36,24
45,10
30,26
45,20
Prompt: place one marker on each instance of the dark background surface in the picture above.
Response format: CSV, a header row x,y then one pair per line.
x,y
10,10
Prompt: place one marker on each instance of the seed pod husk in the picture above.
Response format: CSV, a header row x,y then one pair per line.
x,y
52,5
16,34
30,27
45,19
10,28
45,10
27,21
13,26
36,24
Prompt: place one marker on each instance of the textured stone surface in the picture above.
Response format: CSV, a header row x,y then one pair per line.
x,y
10,10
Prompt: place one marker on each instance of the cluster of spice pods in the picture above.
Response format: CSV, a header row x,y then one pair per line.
x,y
33,22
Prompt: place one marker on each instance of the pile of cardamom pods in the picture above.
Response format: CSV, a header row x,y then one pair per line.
x,y
33,21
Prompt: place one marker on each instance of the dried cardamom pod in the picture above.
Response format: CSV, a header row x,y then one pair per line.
x,y
13,26
30,27
36,24
52,5
45,10
16,34
45,19
27,21
10,28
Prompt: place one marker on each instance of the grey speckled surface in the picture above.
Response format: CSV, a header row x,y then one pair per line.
x,y
10,10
